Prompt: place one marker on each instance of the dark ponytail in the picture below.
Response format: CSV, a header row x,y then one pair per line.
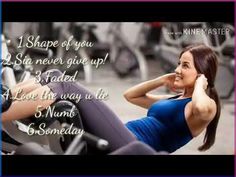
x,y
206,62
209,138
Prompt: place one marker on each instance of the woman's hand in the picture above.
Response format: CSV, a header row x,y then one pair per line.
x,y
201,81
169,80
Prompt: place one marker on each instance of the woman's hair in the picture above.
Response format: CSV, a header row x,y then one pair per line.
x,y
205,61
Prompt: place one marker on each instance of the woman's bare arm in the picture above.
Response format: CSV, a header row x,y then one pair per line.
x,y
203,106
139,95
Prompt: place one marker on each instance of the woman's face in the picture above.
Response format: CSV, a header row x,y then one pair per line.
x,y
186,73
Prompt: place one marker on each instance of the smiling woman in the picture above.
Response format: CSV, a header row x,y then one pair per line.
x,y
186,73
170,125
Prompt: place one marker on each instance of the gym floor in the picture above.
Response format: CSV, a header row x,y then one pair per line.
x,y
104,77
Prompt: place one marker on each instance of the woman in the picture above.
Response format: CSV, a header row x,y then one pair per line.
x,y
171,122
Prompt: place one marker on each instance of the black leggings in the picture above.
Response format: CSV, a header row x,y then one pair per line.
x,y
97,117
